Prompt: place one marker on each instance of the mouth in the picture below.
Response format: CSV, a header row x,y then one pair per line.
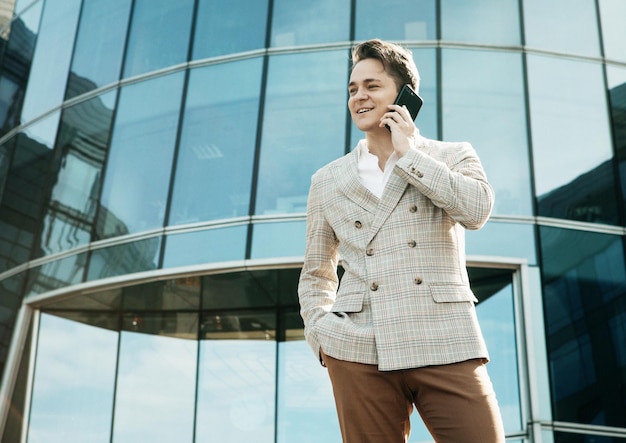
x,y
363,110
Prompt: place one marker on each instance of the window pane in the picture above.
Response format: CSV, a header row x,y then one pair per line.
x,y
159,35
584,286
99,45
216,154
396,20
48,75
208,246
497,320
229,26
76,174
155,389
238,290
72,395
138,256
304,126
572,181
484,103
305,23
266,239
481,21
616,78
503,240
57,274
168,295
306,406
26,184
16,63
236,390
135,188
562,26
612,13
12,291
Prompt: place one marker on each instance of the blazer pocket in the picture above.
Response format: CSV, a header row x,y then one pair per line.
x,y
450,293
349,302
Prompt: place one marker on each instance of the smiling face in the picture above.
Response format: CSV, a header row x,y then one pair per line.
x,y
371,90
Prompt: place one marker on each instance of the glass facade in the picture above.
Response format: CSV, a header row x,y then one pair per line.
x,y
155,160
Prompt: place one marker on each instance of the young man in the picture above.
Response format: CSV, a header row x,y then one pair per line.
x,y
401,328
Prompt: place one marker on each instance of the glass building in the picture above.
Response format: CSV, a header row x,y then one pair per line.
x,y
155,159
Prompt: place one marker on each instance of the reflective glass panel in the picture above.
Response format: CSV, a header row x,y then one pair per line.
x,y
616,78
396,20
99,45
562,26
76,171
238,290
306,406
26,184
484,103
481,21
305,23
236,381
140,159
584,287
496,315
587,437
229,26
11,289
219,132
613,29
208,246
6,152
304,126
284,239
16,63
73,387
57,274
155,389
127,258
181,294
159,35
48,74
503,240
574,176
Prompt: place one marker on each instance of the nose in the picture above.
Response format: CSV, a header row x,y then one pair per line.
x,y
360,94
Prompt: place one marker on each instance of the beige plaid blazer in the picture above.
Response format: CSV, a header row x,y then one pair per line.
x,y
404,300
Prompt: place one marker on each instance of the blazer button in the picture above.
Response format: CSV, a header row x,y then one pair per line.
x,y
412,244
374,286
358,224
413,209
419,281
369,252
419,174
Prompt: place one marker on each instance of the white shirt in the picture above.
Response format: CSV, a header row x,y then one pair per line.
x,y
369,173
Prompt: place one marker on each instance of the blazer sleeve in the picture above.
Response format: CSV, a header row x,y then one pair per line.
x,y
318,283
453,178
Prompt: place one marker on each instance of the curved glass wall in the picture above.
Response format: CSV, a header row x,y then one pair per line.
x,y
218,357
146,138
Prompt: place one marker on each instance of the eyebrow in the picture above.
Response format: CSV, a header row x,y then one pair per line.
x,y
366,81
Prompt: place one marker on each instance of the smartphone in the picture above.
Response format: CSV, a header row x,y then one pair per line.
x,y
409,98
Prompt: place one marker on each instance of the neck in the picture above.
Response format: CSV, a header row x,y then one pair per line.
x,y
379,144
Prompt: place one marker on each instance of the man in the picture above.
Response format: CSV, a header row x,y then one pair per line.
x,y
401,328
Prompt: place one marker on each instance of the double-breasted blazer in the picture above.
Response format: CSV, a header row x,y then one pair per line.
x,y
404,300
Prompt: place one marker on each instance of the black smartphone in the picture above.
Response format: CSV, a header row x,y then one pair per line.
x,y
409,98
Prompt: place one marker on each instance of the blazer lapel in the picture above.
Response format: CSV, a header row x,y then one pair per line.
x,y
394,189
347,177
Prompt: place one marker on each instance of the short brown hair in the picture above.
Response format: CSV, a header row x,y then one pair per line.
x,y
397,61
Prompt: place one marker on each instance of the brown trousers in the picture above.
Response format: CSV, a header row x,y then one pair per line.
x,y
456,402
